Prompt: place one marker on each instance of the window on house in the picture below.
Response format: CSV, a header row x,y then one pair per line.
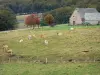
x,y
83,19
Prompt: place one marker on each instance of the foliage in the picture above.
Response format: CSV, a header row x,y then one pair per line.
x,y
43,23
29,6
7,20
32,20
61,15
86,23
49,19
98,6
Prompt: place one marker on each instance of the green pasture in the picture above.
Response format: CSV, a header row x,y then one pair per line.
x,y
50,69
72,44
75,52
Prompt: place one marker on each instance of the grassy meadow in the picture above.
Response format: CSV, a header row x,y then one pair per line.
x,y
50,69
75,52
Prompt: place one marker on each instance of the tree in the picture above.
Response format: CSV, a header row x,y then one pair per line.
x,y
98,7
32,20
61,15
7,19
49,19
29,6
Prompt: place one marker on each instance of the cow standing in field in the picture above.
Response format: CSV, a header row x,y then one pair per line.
x,y
32,20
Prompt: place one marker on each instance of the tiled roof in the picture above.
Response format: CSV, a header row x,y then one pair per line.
x,y
82,11
92,16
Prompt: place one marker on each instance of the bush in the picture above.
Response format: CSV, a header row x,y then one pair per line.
x,y
7,20
43,23
49,19
86,23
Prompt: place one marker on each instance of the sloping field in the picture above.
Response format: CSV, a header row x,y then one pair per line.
x,y
68,52
80,44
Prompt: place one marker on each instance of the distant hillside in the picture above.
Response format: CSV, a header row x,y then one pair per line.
x,y
29,6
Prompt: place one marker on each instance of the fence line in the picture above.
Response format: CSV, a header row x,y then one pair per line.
x,y
44,60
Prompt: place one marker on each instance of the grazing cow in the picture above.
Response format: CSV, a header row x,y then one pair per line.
x,y
34,35
9,51
42,36
21,40
59,34
46,42
5,48
29,37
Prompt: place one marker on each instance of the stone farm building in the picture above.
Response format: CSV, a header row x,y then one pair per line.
x,y
85,15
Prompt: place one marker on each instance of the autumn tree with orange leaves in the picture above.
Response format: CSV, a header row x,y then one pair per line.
x,y
32,20
49,19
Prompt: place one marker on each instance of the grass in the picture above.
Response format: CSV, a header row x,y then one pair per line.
x,y
69,46
61,49
59,27
50,69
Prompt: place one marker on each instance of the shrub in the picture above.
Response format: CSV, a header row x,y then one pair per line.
x,y
49,19
43,23
86,23
7,20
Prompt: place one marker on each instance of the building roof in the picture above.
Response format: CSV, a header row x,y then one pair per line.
x,y
82,11
92,16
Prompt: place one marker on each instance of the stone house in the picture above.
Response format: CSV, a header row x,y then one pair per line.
x,y
85,15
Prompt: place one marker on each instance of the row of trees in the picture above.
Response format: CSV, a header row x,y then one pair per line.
x,y
8,20
29,6
32,20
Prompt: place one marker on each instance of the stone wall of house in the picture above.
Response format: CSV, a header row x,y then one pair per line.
x,y
75,19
